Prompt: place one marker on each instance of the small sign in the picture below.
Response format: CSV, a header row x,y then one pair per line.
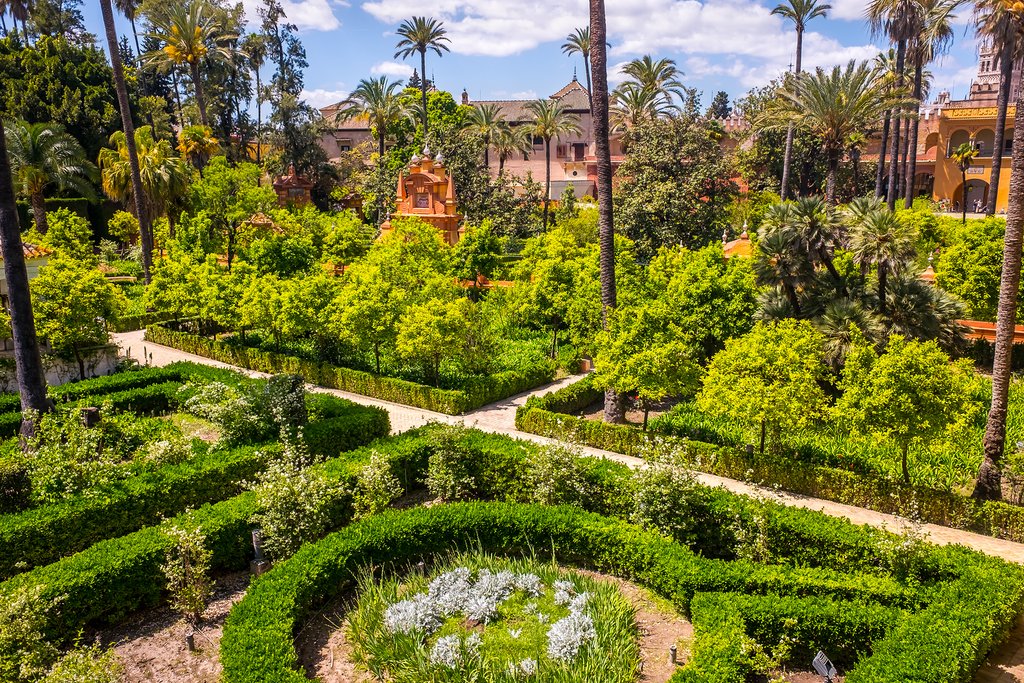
x,y
976,170
824,667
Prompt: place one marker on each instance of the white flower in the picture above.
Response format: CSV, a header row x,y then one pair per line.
x,y
567,636
523,669
530,608
579,603
529,584
415,614
564,590
473,643
447,652
515,632
451,591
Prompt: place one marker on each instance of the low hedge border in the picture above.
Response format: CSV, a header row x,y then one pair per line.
x,y
42,535
998,519
257,645
451,402
131,323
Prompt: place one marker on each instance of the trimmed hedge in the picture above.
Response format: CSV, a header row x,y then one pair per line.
x,y
130,323
477,393
997,519
258,636
42,535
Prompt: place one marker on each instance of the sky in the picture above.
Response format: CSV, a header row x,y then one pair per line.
x,y
511,49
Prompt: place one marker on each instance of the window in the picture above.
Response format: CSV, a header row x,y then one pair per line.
x,y
422,200
538,141
345,148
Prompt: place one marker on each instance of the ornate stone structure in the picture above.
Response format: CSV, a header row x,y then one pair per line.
x,y
426,190
292,189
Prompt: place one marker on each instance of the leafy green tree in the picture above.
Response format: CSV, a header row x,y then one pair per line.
x,y
719,107
768,379
640,351
123,227
971,265
42,155
260,306
676,185
345,238
72,300
306,306
433,332
173,287
477,253
912,393
366,311
71,235
164,176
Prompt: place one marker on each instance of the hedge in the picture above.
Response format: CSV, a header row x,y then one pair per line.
x,y
44,534
258,636
130,323
992,518
477,393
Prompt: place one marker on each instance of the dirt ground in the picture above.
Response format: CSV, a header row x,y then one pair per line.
x,y
151,646
595,411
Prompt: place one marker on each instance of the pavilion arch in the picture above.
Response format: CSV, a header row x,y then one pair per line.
x,y
931,141
977,189
956,139
1008,142
984,141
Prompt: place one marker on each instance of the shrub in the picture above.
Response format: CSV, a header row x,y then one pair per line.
x,y
451,468
24,653
667,498
187,569
555,475
86,665
376,487
286,400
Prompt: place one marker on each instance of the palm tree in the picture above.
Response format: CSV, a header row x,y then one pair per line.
x,y
632,104
420,34
380,102
831,105
512,140
488,122
255,47
138,194
855,144
799,12
197,145
578,43
661,77
934,38
42,154
191,35
162,173
551,120
882,240
962,156
994,23
819,230
885,62
19,10
900,21
835,324
779,262
129,9
27,362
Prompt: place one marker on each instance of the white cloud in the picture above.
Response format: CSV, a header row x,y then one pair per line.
x,y
396,69
319,97
848,9
307,15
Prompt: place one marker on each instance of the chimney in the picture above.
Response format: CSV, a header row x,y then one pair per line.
x,y
465,96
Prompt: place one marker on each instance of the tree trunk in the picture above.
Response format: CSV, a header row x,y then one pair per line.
x,y
764,433
381,201
880,171
376,355
590,85
855,158
787,158
894,146
614,408
259,119
27,362
830,178
1002,104
177,97
988,485
883,281
139,195
901,179
423,90
915,126
487,154
39,212
963,195
547,179
794,300
197,86
81,362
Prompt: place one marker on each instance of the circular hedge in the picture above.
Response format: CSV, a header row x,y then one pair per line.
x,y
257,646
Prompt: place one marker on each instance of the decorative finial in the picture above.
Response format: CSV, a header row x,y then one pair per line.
x,y
440,159
415,159
574,73
426,152
725,235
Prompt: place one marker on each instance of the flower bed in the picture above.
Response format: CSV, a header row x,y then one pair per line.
x,y
477,393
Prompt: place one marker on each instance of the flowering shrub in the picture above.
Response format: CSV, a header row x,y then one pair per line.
x,y
376,487
231,409
187,569
450,470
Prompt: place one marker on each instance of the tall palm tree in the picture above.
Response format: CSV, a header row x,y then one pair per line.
x,y
19,10
632,104
487,121
880,239
885,62
994,23
578,43
420,34
138,194
779,262
512,140
191,34
900,21
661,77
963,156
831,105
197,144
855,144
378,101
27,362
162,173
800,12
613,402
42,154
934,38
551,120
129,9
255,47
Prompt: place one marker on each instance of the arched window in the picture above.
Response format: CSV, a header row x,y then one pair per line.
x,y
984,141
956,139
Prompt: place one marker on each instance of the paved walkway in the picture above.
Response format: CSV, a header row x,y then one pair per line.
x,y
1004,666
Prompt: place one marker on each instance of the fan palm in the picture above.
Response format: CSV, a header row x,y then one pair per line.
x,y
511,140
819,230
995,23
831,105
197,145
779,262
163,174
41,155
799,12
836,323
191,34
921,311
661,77
880,239
488,122
885,62
420,34
19,11
963,156
255,47
578,43
551,120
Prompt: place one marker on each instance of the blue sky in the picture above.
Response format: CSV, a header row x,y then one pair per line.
x,y
511,48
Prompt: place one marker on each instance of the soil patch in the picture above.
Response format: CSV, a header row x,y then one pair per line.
x,y
635,417
151,644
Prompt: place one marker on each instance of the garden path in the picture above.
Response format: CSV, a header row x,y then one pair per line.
x,y
1005,665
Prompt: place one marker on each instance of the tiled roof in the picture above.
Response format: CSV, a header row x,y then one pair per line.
x,y
353,123
32,251
573,95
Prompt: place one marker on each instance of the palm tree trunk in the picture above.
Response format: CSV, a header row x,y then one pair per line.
x,y
197,85
988,485
912,172
259,119
880,171
423,90
614,406
138,193
830,178
177,97
39,212
963,194
855,158
883,282
547,179
381,171
901,179
590,85
1002,104
28,364
894,148
487,153
787,159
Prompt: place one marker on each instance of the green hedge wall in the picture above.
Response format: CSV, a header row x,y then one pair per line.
x,y
998,519
451,402
130,323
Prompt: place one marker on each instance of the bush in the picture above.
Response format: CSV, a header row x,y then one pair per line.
x,y
452,467
86,665
187,570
